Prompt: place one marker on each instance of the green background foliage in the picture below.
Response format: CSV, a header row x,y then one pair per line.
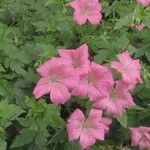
x,y
31,31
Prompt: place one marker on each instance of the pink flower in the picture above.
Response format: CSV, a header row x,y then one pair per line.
x,y
144,3
87,129
118,98
77,59
86,10
140,136
94,83
56,79
140,27
128,67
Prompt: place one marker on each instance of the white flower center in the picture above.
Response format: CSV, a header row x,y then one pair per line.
x,y
54,78
85,124
90,78
113,94
85,10
76,64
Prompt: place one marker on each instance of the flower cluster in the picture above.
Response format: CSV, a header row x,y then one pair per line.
x,y
73,74
91,10
61,75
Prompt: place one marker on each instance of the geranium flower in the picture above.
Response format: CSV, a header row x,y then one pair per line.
x,y
129,68
94,83
77,59
87,129
118,98
140,27
86,10
140,137
56,79
144,3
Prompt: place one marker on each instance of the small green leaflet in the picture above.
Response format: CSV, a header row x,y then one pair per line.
x,y
26,136
123,120
3,144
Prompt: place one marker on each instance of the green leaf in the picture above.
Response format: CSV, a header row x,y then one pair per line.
x,y
5,89
104,56
143,91
4,30
59,136
132,49
17,67
137,108
101,56
47,50
3,144
121,23
147,53
72,146
40,25
25,137
55,121
41,138
1,68
52,116
9,112
123,120
48,113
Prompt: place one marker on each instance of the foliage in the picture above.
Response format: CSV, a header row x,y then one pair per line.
x,y
31,31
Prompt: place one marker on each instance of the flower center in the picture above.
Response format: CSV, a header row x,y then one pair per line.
x,y
85,10
53,79
90,78
85,124
113,94
76,64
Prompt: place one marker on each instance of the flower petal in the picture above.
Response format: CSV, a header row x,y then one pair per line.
x,y
75,4
135,135
73,130
76,116
59,94
144,144
116,65
95,114
83,49
81,89
94,17
98,133
74,125
79,18
94,93
42,87
50,66
77,59
86,139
